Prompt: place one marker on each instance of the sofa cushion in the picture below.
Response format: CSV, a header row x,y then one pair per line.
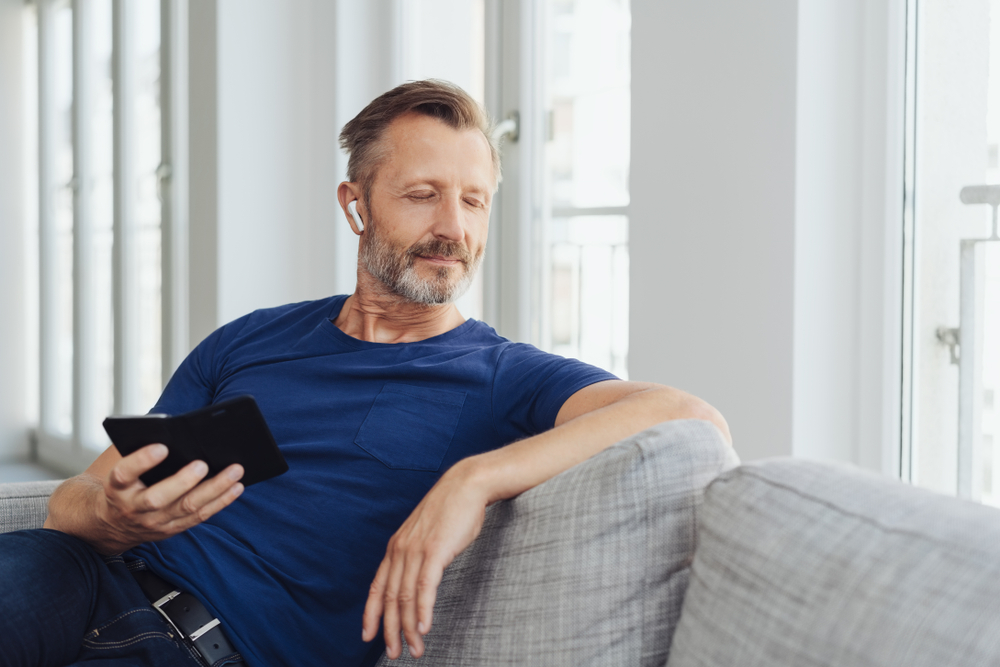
x,y
588,568
25,504
802,563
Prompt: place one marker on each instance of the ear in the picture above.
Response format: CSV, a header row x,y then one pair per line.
x,y
346,193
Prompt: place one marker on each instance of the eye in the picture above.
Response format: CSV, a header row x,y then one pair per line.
x,y
475,203
420,195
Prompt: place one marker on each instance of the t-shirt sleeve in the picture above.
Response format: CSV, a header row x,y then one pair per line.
x,y
530,386
193,384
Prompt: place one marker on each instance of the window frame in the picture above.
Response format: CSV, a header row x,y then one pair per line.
x,y
68,453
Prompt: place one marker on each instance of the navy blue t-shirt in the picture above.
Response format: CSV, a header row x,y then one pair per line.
x,y
367,429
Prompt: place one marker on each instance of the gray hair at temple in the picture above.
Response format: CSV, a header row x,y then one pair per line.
x,y
361,138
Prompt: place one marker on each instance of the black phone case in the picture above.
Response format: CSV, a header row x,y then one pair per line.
x,y
232,431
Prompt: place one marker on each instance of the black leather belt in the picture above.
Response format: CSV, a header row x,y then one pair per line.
x,y
189,617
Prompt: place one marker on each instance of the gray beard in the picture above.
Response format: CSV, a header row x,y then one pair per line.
x,y
395,269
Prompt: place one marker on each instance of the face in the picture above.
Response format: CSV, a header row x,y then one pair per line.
x,y
428,217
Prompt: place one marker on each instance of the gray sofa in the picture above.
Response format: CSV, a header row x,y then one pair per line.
x,y
637,557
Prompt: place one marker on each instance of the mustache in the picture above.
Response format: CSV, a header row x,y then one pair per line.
x,y
440,248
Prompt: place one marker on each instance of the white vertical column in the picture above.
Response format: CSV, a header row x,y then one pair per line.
x,y
970,369
124,254
47,250
15,262
84,292
172,177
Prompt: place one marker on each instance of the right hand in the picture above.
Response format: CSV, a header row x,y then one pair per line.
x,y
132,513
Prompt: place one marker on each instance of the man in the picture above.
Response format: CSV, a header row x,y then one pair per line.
x,y
401,422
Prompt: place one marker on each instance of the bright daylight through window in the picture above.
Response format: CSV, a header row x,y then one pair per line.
x,y
584,224
97,67
951,421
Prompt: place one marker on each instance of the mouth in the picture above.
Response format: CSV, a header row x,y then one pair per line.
x,y
442,260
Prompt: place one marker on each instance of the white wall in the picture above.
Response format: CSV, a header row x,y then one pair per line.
x,y
712,224
14,386
764,236
264,166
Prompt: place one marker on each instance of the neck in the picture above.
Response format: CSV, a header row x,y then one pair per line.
x,y
372,314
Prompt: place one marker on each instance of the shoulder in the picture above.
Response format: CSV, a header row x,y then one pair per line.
x,y
327,307
285,316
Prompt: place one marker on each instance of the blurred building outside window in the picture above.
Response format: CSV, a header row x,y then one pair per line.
x,y
953,130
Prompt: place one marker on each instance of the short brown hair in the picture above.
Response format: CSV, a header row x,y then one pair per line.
x,y
361,138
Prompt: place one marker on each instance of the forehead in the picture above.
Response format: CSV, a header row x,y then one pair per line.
x,y
420,147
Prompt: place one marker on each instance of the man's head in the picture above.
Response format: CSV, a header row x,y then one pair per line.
x,y
363,138
424,169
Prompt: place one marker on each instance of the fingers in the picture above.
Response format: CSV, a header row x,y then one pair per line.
x,y
407,604
205,493
210,497
170,506
390,612
204,512
374,605
164,493
126,472
427,587
403,594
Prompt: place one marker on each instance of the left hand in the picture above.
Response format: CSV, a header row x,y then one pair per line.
x,y
445,522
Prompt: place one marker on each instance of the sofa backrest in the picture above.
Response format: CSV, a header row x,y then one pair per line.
x,y
589,568
24,505
802,563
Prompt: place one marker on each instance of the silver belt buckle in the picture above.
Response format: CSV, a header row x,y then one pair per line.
x,y
164,600
197,634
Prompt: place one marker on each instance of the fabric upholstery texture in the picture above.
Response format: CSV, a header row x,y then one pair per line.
x,y
24,505
809,564
589,568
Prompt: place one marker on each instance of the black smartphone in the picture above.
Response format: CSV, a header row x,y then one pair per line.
x,y
231,431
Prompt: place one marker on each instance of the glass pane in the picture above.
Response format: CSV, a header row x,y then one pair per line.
x,y
588,274
957,132
145,147
586,79
59,383
589,101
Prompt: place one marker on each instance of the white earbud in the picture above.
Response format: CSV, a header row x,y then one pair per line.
x,y
353,209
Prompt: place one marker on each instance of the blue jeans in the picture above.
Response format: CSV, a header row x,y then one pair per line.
x,y
61,603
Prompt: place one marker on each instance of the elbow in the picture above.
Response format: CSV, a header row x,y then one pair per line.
x,y
707,412
687,406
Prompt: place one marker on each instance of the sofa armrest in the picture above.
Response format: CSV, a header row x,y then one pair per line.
x,y
25,505
588,568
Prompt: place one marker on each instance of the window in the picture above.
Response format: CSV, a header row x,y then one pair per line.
x,y
584,217
562,218
951,343
100,181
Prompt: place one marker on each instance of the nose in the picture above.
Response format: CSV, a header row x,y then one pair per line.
x,y
448,222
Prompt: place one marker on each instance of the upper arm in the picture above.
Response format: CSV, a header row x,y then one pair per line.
x,y
596,396
663,403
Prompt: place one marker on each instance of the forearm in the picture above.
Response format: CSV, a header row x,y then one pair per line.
x,y
511,470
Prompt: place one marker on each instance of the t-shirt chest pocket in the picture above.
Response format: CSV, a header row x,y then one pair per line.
x,y
411,428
